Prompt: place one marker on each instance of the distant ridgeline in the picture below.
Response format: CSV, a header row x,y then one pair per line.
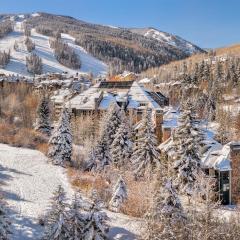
x,y
121,48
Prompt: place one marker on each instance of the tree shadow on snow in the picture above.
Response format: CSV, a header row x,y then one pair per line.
x,y
11,196
23,228
121,234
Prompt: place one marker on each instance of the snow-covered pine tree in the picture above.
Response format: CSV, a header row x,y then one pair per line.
x,y
165,219
43,124
76,219
60,143
111,123
121,147
119,195
95,225
146,156
56,227
4,222
100,155
187,139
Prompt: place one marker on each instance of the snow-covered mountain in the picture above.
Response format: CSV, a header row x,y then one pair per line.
x,y
17,63
100,48
173,40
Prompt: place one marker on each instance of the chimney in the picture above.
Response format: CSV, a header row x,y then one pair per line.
x,y
158,124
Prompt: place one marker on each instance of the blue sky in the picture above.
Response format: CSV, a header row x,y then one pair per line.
x,y
207,23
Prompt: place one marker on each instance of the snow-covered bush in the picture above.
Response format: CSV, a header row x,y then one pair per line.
x,y
119,195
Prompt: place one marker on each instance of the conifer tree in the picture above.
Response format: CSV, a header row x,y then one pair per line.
x,y
56,227
4,223
43,117
60,143
95,224
165,219
187,139
121,146
100,156
76,219
119,195
146,156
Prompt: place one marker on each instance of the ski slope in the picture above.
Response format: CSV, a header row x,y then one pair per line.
x,y
28,182
17,63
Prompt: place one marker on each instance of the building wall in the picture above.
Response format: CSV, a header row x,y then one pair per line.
x,y
235,177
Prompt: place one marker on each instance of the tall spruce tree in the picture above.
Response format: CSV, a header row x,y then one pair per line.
x,y
121,147
56,227
43,124
60,143
100,155
187,139
76,219
146,156
165,218
95,224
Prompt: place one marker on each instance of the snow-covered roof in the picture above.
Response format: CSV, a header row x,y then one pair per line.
x,y
139,97
145,80
135,97
214,155
170,118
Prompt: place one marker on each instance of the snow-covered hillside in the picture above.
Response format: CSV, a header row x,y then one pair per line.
x,y
170,39
28,182
17,63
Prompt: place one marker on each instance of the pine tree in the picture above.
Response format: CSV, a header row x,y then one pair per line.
x,y
56,227
60,143
146,156
119,195
34,64
111,123
100,156
165,219
187,140
4,223
76,219
43,120
121,146
95,225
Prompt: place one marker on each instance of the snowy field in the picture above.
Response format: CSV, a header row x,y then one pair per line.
x,y
17,63
27,185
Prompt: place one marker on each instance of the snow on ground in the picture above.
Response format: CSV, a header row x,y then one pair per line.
x,y
28,182
17,63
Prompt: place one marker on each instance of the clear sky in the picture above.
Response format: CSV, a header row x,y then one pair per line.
x,y
207,23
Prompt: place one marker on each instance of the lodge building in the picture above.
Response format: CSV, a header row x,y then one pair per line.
x,y
219,161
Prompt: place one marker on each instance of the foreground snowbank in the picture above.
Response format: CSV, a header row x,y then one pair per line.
x,y
28,182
